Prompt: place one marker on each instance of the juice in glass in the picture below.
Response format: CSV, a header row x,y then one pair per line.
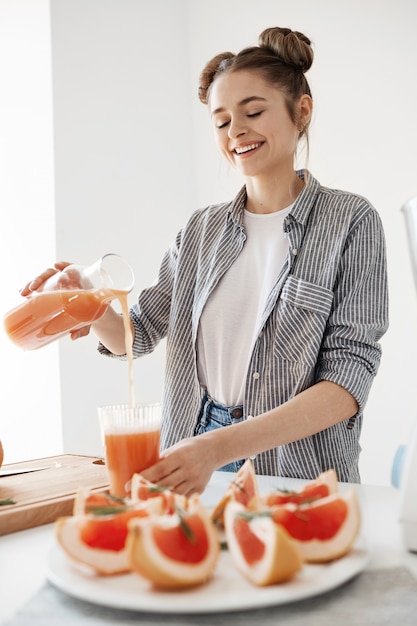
x,y
128,454
131,438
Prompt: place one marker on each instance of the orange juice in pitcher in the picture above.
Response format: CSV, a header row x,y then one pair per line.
x,y
70,299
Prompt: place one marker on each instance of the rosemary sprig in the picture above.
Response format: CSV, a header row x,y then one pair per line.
x,y
236,483
116,498
184,526
107,510
300,512
248,516
301,516
288,492
7,501
307,501
158,489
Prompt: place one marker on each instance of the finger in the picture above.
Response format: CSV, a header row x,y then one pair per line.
x,y
61,265
80,332
187,488
176,484
157,476
180,483
161,471
191,491
34,284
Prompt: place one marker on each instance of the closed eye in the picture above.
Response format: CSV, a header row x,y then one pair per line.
x,y
226,123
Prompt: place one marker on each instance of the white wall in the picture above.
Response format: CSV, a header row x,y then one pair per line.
x,y
124,170
30,424
134,156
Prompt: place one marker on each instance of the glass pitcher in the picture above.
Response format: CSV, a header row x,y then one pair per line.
x,y
70,299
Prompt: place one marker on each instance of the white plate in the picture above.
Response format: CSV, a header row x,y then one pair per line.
x,y
227,591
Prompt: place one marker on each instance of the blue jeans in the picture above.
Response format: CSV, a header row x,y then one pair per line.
x,y
214,415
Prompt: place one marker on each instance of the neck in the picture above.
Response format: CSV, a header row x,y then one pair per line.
x,y
272,196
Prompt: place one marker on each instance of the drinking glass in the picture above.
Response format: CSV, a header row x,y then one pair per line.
x,y
131,439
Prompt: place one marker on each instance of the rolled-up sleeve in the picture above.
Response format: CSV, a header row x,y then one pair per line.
x,y
351,352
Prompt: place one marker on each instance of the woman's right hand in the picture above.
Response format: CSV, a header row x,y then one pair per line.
x,y
68,280
36,284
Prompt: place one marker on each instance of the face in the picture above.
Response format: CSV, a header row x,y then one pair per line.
x,y
252,127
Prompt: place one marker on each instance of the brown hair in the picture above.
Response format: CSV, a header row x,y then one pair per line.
x,y
281,57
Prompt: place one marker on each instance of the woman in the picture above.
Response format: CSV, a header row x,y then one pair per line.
x,y
272,304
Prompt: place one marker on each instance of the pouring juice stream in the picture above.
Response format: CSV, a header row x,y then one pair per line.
x,y
122,297
129,449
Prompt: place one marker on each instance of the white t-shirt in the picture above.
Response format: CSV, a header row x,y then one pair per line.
x,y
232,314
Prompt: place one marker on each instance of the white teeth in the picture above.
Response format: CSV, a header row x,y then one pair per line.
x,y
252,146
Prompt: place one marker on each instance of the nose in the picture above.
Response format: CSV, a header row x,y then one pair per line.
x,y
236,128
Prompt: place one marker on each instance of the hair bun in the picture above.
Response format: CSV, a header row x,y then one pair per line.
x,y
292,47
209,72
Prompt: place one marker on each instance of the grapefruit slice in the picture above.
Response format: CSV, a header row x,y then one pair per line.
x,y
261,550
174,551
243,489
143,490
324,485
87,501
324,529
98,540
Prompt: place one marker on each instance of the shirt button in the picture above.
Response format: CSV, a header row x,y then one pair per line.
x,y
294,251
255,376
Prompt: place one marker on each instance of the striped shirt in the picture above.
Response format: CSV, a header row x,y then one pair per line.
x,y
322,320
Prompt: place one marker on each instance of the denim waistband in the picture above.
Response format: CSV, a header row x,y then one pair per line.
x,y
234,412
215,415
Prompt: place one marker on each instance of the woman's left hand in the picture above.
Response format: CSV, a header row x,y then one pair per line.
x,y
185,468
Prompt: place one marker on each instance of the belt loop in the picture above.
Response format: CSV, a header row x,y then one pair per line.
x,y
206,409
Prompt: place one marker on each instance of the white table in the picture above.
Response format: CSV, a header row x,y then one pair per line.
x,y
23,555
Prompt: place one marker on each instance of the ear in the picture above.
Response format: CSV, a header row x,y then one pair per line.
x,y
305,110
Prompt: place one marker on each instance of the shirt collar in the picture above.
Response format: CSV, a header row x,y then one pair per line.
x,y
300,210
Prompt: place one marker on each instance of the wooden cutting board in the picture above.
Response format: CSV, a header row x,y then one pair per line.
x,y
42,496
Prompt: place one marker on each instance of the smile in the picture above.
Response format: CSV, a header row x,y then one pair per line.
x,y
248,148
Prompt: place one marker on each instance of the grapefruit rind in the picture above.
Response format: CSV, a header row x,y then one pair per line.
x,y
103,562
142,490
281,558
319,551
243,488
84,495
147,559
327,479
68,531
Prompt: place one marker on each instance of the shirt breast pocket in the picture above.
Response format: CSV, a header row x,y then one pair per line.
x,y
302,313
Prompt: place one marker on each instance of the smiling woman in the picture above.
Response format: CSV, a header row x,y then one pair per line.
x,y
279,325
